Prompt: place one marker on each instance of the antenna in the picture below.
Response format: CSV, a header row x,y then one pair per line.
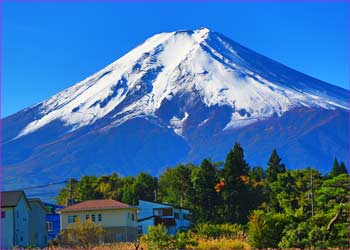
x,y
71,185
312,193
155,194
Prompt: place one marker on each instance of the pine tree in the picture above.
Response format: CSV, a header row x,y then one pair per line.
x,y
235,165
274,167
342,168
234,193
206,198
338,169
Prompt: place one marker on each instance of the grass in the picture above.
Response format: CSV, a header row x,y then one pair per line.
x,y
204,244
222,243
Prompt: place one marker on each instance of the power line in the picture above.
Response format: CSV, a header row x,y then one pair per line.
x,y
43,185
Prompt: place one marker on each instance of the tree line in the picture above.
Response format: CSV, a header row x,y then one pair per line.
x,y
277,207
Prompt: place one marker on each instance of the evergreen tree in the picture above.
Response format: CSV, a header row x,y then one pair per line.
x,y
144,187
335,168
234,194
87,189
235,165
175,185
342,168
206,198
257,174
338,169
274,167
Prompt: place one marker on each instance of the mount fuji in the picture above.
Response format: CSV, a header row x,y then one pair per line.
x,y
178,97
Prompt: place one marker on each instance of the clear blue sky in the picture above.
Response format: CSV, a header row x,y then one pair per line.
x,y
47,47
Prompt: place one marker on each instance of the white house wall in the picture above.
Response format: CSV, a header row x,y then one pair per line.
x,y
7,229
21,216
110,218
37,226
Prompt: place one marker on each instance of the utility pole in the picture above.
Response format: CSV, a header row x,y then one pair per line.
x,y
155,194
312,194
71,185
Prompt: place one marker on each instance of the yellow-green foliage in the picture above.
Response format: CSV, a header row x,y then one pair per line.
x,y
220,230
222,243
79,235
159,239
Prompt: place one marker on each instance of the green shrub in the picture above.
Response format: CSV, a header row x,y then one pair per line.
x,y
185,239
265,230
159,239
304,235
220,230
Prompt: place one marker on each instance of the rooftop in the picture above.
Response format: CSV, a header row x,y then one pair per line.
x,y
165,204
96,205
10,198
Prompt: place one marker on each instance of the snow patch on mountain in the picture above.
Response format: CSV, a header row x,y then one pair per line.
x,y
202,63
178,123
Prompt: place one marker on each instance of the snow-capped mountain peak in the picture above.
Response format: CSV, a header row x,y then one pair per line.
x,y
182,66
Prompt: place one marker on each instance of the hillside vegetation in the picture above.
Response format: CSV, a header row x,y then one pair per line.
x,y
268,208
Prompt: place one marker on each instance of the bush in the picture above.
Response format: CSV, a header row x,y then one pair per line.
x,y
304,235
81,235
159,239
185,239
265,230
220,230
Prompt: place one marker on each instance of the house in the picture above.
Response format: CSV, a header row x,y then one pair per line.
x,y
175,218
37,223
118,219
15,212
52,220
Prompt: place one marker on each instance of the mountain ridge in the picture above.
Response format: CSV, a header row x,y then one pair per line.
x,y
153,76
170,100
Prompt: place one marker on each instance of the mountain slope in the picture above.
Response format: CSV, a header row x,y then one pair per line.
x,y
179,96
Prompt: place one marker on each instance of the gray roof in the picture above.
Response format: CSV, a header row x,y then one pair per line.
x,y
10,198
37,200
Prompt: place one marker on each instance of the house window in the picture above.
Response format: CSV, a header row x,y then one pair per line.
x,y
3,214
177,215
157,212
49,226
163,212
186,216
99,217
119,236
132,216
93,218
87,217
71,218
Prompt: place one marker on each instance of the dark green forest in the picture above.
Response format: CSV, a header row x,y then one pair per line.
x,y
275,206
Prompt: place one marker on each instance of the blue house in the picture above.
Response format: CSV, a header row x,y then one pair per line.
x,y
174,218
53,220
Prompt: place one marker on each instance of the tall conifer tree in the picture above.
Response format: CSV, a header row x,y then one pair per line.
x,y
274,167
338,169
206,198
234,193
